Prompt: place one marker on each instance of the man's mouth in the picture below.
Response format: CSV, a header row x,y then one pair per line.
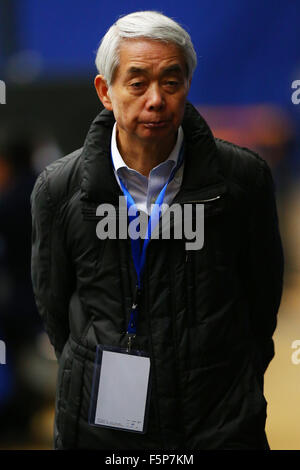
x,y
154,124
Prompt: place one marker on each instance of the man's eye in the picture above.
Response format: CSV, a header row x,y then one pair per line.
x,y
137,84
171,83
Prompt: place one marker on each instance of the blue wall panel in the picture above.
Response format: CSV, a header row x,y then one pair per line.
x,y
249,51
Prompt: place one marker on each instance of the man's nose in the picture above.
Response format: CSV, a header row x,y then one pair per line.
x,y
155,97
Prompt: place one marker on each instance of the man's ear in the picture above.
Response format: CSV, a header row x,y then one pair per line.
x,y
102,91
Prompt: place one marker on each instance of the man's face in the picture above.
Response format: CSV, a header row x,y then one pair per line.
x,y
149,90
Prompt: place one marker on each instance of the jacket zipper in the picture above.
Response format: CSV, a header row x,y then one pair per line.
x,y
204,200
196,201
187,256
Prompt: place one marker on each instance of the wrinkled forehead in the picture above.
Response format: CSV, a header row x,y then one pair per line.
x,y
143,53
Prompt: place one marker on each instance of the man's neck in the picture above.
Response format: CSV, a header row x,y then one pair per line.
x,y
143,157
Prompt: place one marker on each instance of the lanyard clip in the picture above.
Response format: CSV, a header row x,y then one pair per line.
x,y
130,338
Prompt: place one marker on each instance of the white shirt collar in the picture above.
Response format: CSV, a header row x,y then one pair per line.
x,y
119,162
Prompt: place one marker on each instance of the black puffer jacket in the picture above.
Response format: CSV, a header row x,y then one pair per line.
x,y
206,317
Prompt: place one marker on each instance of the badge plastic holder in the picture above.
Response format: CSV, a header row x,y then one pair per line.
x,y
133,415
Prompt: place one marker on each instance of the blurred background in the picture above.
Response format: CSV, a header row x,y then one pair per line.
x,y
248,58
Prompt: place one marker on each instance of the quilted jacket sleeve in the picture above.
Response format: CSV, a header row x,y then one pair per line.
x,y
264,264
51,271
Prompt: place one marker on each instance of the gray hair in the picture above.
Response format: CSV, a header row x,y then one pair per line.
x,y
142,24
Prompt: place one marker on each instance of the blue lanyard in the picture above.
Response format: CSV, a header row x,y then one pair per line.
x,y
139,256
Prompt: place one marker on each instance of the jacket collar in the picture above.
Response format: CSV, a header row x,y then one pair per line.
x,y
201,172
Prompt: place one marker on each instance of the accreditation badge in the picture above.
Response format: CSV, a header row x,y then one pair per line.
x,y
121,389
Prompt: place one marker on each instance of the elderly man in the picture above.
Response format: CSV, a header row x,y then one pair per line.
x,y
159,347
